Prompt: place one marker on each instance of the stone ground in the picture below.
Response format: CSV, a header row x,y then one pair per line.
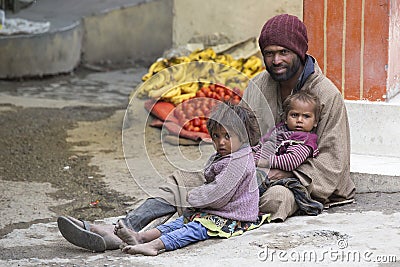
x,y
62,153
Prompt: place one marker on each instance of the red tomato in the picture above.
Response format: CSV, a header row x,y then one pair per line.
x,y
200,94
179,114
219,90
205,109
198,112
189,112
235,101
176,113
196,122
190,127
205,90
203,128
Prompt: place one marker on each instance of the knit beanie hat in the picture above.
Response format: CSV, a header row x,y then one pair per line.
x,y
287,31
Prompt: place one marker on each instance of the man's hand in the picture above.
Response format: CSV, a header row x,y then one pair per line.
x,y
277,174
263,163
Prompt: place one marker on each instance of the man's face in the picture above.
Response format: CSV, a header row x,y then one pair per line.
x,y
281,63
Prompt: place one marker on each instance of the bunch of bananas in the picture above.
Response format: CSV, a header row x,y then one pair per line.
x,y
179,78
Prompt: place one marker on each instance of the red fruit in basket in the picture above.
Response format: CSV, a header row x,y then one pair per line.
x,y
196,129
204,108
189,112
199,113
235,100
205,90
179,114
196,122
183,105
229,92
200,94
203,128
190,128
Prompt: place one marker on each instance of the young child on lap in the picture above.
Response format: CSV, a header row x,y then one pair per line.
x,y
292,141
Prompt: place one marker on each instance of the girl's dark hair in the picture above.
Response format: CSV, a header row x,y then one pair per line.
x,y
303,96
241,120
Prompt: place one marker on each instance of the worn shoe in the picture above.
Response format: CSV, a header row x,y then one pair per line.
x,y
81,237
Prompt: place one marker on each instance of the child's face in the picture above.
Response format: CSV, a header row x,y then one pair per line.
x,y
301,117
224,142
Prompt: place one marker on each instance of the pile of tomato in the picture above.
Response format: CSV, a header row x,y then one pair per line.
x,y
193,113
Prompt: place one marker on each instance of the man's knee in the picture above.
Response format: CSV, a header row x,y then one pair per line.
x,y
150,209
279,202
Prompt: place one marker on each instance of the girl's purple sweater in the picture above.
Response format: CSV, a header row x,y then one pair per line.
x,y
231,189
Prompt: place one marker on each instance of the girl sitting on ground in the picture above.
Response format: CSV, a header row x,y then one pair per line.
x,y
226,205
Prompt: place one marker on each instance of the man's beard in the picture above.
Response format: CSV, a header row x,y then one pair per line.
x,y
290,71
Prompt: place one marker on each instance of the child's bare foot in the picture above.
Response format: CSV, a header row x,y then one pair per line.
x,y
127,235
152,248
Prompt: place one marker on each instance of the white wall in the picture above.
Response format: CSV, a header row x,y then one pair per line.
x,y
237,19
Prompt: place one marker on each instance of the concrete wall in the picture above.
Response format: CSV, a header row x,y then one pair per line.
x,y
41,54
375,128
89,32
140,32
237,19
119,32
393,81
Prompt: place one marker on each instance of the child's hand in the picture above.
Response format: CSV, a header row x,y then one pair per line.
x,y
263,163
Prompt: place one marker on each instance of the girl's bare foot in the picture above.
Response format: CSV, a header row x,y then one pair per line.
x,y
152,248
127,235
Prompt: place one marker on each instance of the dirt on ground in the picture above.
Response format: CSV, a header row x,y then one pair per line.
x,y
69,160
34,148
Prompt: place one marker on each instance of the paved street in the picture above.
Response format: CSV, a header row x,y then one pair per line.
x,y
87,151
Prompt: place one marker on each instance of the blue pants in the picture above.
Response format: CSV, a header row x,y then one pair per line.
x,y
176,234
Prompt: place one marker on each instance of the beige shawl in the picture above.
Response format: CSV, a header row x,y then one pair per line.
x,y
327,177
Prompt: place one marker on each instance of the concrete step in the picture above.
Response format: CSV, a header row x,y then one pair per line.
x,y
375,173
374,128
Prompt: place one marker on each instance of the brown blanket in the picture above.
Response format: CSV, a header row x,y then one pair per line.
x,y
327,177
178,185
